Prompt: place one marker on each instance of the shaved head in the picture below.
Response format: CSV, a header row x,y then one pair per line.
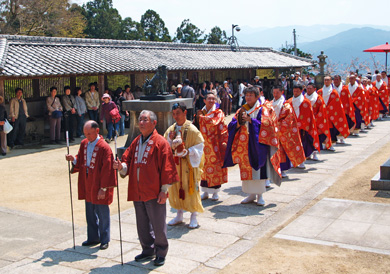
x,y
91,130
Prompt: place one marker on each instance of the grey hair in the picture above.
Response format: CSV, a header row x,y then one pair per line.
x,y
152,115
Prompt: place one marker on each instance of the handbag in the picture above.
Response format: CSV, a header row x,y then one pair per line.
x,y
7,127
56,114
115,115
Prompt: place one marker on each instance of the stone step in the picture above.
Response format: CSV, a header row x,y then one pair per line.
x,y
379,184
385,170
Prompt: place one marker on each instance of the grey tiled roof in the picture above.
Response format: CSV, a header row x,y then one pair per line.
x,y
29,56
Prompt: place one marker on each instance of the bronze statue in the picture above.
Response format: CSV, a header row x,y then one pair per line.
x,y
158,83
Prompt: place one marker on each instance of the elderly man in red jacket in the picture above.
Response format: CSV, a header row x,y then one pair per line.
x,y
96,182
151,168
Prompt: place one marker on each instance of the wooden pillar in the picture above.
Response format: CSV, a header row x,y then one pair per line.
x,y
101,84
276,83
72,83
2,93
132,82
35,86
212,76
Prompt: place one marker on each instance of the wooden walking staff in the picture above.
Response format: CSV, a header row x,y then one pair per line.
x,y
70,188
119,209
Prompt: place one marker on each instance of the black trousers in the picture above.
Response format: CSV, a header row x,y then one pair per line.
x,y
19,131
69,123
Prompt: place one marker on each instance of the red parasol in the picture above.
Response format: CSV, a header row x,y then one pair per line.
x,y
381,48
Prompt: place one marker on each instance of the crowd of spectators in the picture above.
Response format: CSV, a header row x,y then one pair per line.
x,y
68,112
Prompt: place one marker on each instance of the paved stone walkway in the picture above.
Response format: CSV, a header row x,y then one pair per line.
x,y
349,224
227,228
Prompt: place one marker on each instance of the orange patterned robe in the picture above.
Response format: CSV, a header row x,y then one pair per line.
x,y
359,99
373,106
336,114
321,116
383,95
214,130
306,121
347,102
289,138
239,145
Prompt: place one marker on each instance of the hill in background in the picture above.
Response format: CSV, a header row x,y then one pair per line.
x,y
348,45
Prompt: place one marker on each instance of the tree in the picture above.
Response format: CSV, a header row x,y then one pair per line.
x,y
216,36
188,33
41,17
154,27
290,49
103,21
132,30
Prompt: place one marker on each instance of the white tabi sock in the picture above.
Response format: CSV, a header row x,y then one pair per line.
x,y
193,221
204,196
251,198
215,196
178,219
314,156
260,200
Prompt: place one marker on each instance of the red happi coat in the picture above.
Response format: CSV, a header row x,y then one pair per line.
x,y
306,120
157,168
346,100
336,114
359,99
373,102
100,172
383,94
215,134
289,138
322,123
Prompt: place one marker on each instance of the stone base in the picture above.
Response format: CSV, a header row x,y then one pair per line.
x,y
381,181
385,170
379,184
162,108
158,97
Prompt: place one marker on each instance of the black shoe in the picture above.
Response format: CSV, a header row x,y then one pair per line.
x,y
104,246
71,139
86,243
143,257
159,261
3,153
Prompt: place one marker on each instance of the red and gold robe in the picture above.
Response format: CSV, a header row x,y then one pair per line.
x,y
336,114
101,173
214,130
249,145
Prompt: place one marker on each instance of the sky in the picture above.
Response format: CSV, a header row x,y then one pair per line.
x,y
206,14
